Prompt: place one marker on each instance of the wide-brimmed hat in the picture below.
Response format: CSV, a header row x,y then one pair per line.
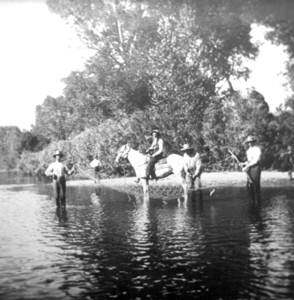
x,y
249,139
58,153
155,130
186,147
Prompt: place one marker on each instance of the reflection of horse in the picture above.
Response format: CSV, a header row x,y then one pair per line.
x,y
173,165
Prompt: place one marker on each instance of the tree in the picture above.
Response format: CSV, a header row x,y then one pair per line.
x,y
120,34
87,103
10,146
31,141
284,124
129,35
51,119
227,125
157,63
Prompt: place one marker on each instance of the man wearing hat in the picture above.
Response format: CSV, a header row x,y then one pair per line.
x,y
155,152
58,170
287,165
96,165
252,167
192,164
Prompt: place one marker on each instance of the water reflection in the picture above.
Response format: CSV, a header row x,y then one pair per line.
x,y
14,178
61,214
271,245
111,245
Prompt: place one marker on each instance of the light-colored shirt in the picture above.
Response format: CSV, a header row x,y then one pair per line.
x,y
253,156
157,145
58,169
192,163
95,163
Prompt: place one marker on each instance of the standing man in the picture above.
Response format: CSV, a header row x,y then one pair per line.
x,y
252,167
96,164
155,152
287,164
192,166
58,171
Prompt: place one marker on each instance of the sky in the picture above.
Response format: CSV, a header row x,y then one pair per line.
x,y
268,70
38,49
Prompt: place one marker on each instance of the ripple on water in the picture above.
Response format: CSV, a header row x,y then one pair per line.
x,y
109,245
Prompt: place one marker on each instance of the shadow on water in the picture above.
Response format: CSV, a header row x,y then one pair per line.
x,y
14,178
109,244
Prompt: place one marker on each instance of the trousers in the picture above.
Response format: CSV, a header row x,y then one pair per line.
x,y
150,170
253,182
59,188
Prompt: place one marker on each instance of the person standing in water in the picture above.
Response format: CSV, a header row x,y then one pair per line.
x,y
58,171
96,165
252,167
192,165
287,165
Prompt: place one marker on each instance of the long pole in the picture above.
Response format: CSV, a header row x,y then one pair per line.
x,y
235,157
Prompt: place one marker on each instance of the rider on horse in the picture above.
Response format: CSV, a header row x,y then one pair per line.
x,y
155,152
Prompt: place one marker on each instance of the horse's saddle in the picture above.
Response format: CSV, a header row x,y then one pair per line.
x,y
162,163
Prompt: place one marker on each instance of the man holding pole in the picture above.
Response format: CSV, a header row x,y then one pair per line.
x,y
58,171
252,167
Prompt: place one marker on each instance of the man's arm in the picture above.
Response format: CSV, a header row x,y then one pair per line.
x,y
69,171
49,171
152,146
198,165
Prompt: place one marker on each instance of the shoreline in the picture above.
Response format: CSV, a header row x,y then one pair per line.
x,y
220,179
225,179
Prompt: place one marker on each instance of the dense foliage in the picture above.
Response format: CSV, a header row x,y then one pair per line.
x,y
158,63
10,147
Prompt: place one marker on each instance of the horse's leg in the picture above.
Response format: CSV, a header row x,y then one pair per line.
x,y
145,186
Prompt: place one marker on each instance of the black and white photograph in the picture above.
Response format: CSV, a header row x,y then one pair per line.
x,y
147,149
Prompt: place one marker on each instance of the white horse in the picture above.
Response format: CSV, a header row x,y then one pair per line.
x,y
174,165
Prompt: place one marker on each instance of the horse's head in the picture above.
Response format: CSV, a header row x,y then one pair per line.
x,y
123,152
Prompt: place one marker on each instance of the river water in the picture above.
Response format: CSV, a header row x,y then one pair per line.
x,y
109,245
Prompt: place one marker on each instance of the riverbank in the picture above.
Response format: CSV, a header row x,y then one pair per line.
x,y
220,179
233,179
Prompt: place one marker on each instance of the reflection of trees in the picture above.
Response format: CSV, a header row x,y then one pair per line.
x,y
127,248
271,244
224,246
140,247
93,244
198,250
